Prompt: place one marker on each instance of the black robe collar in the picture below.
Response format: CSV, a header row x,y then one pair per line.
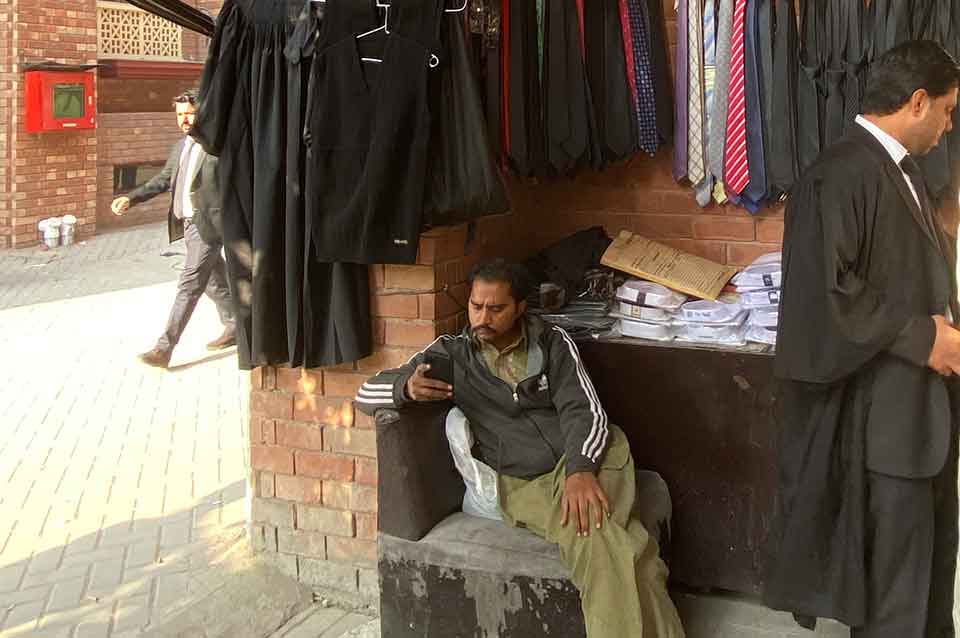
x,y
896,176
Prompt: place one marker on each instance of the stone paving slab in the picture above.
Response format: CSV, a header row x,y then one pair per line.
x,y
115,478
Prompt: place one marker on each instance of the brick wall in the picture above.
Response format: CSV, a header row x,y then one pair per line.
x,y
132,138
118,95
50,173
314,456
9,85
642,197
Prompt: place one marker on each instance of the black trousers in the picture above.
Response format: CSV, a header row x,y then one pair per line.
x,y
203,271
911,555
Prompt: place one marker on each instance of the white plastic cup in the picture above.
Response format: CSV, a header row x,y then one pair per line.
x,y
68,224
51,232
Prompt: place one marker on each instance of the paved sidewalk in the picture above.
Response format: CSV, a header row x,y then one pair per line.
x,y
117,480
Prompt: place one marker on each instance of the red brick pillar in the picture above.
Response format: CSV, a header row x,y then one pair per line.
x,y
43,174
314,455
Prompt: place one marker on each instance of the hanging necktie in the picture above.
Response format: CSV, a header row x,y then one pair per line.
x,y
755,194
736,167
721,96
628,51
912,169
705,187
646,103
695,124
680,84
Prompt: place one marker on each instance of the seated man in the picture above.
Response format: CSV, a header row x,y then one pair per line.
x,y
564,472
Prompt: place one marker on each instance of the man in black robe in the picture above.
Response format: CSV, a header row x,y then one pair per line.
x,y
866,526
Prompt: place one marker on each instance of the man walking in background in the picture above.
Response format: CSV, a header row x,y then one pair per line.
x,y
191,176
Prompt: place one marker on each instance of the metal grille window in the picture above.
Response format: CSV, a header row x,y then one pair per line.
x,y
127,32
126,177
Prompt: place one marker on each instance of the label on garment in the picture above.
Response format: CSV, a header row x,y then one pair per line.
x,y
768,281
544,384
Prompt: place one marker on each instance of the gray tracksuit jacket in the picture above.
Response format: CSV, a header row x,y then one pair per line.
x,y
553,413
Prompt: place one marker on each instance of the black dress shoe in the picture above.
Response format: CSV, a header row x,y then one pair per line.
x,y
156,358
223,341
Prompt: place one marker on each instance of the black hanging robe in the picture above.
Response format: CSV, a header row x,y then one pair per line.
x,y
291,308
368,129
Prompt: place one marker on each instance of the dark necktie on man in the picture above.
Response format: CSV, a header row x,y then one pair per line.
x,y
912,169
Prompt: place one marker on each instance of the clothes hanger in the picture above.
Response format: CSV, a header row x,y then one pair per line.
x,y
385,28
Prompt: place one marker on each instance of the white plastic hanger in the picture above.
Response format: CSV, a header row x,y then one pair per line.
x,y
385,28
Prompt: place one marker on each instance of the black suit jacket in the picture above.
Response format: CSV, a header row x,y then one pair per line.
x,y
204,191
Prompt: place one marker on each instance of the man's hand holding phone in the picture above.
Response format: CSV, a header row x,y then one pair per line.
x,y
421,387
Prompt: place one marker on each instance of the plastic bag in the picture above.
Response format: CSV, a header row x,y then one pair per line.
x,y
481,498
463,182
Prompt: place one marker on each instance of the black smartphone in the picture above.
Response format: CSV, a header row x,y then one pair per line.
x,y
441,367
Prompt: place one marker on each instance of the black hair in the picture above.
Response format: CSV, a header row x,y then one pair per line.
x,y
502,270
187,97
896,75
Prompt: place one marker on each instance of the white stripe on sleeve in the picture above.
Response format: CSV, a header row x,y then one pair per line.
x,y
597,438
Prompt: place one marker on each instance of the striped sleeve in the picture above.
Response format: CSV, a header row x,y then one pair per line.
x,y
576,400
387,389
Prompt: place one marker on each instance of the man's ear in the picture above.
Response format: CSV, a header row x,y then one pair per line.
x,y
522,307
919,102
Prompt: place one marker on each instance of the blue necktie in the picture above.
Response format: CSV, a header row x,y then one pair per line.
x,y
645,104
754,195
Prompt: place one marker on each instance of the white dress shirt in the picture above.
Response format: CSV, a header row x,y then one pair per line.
x,y
896,150
189,158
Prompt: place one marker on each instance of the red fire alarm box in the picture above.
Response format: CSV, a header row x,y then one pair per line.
x,y
60,100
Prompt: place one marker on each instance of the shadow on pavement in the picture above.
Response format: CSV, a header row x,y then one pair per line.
x,y
123,576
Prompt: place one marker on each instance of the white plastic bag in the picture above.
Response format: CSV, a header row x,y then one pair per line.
x,y
481,498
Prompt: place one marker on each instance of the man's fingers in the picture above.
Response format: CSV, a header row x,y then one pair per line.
x,y
603,501
564,511
428,394
583,518
434,384
598,513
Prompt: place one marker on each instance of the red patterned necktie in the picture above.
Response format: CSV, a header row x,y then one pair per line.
x,y
736,167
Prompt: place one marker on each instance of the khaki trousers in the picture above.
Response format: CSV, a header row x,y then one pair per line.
x,y
618,570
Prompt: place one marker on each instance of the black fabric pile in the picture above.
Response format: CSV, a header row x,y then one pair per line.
x,y
569,273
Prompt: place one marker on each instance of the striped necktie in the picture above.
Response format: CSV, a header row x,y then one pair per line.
x,y
736,166
695,127
705,187
718,110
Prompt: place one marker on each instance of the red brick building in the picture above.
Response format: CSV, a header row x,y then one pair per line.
x,y
144,61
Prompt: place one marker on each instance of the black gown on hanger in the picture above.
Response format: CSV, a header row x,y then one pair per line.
x,y
245,119
369,131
